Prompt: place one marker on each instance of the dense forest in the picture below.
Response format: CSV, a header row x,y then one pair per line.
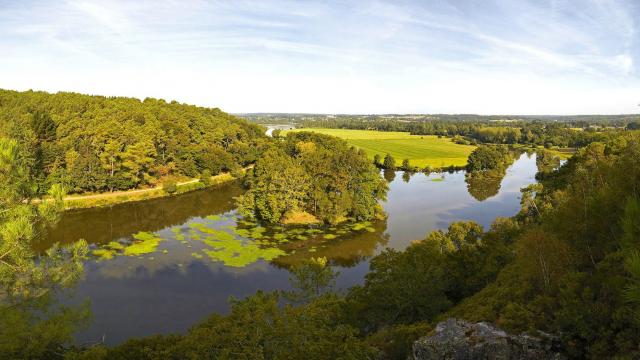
x,y
567,264
97,143
313,177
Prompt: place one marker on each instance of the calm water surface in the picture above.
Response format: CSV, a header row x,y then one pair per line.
x,y
184,278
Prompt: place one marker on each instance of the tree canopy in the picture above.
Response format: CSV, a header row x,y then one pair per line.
x,y
97,143
315,174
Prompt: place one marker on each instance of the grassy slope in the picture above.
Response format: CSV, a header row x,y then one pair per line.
x,y
421,151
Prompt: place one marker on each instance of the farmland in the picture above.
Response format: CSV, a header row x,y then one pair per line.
x,y
422,151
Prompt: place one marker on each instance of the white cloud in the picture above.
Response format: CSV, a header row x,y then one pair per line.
x,y
495,57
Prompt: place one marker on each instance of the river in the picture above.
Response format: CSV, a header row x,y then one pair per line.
x,y
182,277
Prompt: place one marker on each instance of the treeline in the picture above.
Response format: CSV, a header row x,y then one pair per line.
x,y
311,177
578,121
568,264
539,133
97,143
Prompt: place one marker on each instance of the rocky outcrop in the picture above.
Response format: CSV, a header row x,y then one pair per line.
x,y
460,340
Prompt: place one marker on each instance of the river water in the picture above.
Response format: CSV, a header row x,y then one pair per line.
x,y
182,277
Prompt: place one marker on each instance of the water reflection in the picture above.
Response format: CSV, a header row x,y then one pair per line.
x,y
389,175
483,186
430,202
346,251
102,225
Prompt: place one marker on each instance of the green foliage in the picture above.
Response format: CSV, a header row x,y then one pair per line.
x,y
278,184
390,292
632,292
396,342
630,223
389,162
405,165
95,143
573,273
257,328
460,235
485,158
205,177
377,160
170,186
317,174
188,187
546,161
31,324
567,264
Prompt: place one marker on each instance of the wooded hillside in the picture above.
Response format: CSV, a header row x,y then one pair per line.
x,y
97,143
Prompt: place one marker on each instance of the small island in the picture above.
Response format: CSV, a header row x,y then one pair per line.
x,y
312,178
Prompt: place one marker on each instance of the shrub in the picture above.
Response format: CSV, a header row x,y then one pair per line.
x,y
170,186
205,178
389,162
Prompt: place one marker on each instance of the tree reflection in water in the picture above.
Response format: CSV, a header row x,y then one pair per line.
x,y
389,175
483,185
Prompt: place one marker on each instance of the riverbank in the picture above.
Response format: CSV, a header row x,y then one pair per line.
x,y
119,197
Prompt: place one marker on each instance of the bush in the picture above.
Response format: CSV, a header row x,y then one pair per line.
x,y
377,160
190,187
170,186
406,166
389,162
205,178
237,173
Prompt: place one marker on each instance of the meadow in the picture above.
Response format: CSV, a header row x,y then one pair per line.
x,y
421,150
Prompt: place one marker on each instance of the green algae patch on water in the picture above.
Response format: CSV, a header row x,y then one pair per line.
x,y
103,254
144,243
233,246
114,245
360,225
237,253
329,236
214,217
193,235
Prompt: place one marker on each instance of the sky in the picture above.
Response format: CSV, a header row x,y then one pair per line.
x,y
365,57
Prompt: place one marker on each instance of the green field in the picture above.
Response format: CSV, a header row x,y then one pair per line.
x,y
422,151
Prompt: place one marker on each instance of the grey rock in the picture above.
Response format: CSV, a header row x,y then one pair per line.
x,y
455,339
